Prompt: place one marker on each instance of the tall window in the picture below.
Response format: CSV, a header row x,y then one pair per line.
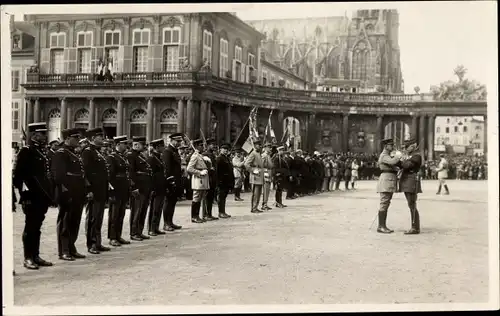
x,y
138,123
224,58
456,129
171,43
141,40
57,45
168,123
251,60
111,44
448,120
238,55
84,44
207,46
273,80
360,61
15,115
447,130
465,129
15,80
264,78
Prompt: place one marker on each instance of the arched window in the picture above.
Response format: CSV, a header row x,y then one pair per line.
x,y
138,123
82,118
360,61
168,123
109,116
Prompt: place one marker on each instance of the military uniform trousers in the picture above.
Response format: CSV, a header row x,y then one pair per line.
x,y
411,200
199,198
278,196
155,211
256,193
266,190
138,212
223,192
34,217
94,219
169,207
116,215
68,225
209,201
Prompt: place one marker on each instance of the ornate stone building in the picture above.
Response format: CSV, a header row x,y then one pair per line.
x,y
363,48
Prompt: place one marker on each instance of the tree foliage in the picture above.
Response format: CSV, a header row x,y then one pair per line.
x,y
464,89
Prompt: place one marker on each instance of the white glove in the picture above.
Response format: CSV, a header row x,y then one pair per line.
x,y
397,154
206,159
204,172
266,174
256,171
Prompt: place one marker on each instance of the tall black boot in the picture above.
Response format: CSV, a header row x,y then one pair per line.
x,y
439,190
195,212
446,189
415,223
382,228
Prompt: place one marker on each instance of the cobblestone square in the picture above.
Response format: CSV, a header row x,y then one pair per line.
x,y
317,250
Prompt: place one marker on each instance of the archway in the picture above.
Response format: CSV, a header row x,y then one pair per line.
x,y
235,127
168,123
82,118
138,123
109,121
399,131
54,126
291,134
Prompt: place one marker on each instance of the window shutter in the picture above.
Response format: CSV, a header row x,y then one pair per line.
x,y
157,58
247,74
93,60
120,58
66,60
45,60
72,60
128,53
234,71
243,72
183,53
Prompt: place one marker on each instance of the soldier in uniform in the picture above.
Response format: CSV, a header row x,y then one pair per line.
x,y
292,181
409,183
159,187
225,178
140,174
281,174
70,192
387,183
32,178
239,174
52,148
254,165
198,169
185,190
212,174
96,173
442,174
173,173
120,181
267,164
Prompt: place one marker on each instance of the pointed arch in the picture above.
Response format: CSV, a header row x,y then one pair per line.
x,y
360,60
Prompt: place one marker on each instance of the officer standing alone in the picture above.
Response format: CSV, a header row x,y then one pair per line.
x,y
33,180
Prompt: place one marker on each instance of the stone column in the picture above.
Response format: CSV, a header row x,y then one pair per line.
x,y
150,120
379,133
345,133
119,117
204,117
485,140
421,140
69,115
311,130
180,116
280,130
414,127
64,114
29,111
208,126
37,117
430,137
227,131
190,119
92,113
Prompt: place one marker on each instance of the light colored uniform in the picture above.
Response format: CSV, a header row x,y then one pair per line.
x,y
388,180
254,165
442,171
239,176
199,183
268,166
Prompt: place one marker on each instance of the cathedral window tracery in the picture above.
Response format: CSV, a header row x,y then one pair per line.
x,y
360,61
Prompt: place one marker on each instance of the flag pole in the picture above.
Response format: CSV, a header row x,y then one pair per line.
x,y
243,128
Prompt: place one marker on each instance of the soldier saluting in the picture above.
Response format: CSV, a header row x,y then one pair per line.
x,y
96,172
140,173
70,192
387,183
159,187
120,180
32,179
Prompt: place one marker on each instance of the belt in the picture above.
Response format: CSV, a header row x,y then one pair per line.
x,y
121,175
74,174
393,172
144,173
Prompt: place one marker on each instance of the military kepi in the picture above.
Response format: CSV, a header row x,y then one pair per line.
x,y
387,141
157,142
40,127
176,136
197,142
139,139
94,132
120,139
410,142
226,146
71,132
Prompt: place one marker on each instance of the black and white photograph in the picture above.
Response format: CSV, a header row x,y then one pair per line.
x,y
249,157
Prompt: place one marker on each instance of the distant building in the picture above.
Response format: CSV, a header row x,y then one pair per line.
x,y
362,49
464,135
22,59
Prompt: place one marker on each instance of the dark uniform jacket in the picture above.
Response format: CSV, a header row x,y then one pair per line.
x,y
410,180
212,172
140,172
224,172
159,174
33,169
69,176
172,161
281,169
96,172
119,174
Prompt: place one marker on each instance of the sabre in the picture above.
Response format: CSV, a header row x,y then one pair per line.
x,y
373,221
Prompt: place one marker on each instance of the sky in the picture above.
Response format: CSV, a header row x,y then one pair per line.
x,y
434,37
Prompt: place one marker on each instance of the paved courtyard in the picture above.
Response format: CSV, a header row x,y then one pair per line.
x,y
318,250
